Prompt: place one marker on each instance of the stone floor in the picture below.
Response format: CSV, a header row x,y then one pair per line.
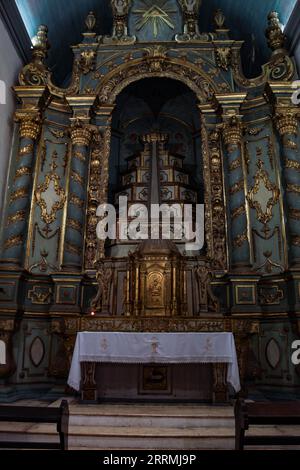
x,y
141,426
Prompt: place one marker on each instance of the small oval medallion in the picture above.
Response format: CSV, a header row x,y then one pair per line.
x,y
273,353
37,351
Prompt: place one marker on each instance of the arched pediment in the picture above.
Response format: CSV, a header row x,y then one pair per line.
x,y
157,64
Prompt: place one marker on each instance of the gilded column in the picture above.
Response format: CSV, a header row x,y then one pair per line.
x,y
232,136
286,122
232,133
287,126
81,135
20,196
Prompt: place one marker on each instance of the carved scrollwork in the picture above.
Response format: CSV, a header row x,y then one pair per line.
x,y
270,295
40,295
280,68
36,73
158,324
263,184
33,75
94,196
156,62
51,183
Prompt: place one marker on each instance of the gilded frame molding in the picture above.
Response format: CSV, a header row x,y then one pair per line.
x,y
156,64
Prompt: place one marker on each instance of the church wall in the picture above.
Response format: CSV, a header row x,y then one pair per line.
x,y
10,66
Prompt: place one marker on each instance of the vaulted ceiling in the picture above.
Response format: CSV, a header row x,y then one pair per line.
x,y
65,19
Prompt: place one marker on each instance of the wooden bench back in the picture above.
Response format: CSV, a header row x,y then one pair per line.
x,y
265,413
28,414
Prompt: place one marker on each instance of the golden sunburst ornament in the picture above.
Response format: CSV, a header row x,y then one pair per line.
x,y
155,15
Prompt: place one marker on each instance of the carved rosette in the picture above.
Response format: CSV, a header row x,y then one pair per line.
x,y
280,67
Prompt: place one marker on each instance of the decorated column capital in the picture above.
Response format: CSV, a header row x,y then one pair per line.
x,y
286,120
286,114
30,124
34,101
232,134
230,106
233,131
81,133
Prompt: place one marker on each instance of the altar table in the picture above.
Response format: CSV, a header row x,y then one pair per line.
x,y
151,348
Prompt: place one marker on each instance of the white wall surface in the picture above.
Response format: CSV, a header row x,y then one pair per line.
x,y
10,65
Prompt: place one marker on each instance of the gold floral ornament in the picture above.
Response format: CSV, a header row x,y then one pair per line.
x,y
223,57
50,197
264,195
87,61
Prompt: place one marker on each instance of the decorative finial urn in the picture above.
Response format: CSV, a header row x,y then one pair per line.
x,y
219,19
90,22
40,43
274,33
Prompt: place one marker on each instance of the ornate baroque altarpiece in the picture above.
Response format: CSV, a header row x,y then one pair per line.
x,y
103,136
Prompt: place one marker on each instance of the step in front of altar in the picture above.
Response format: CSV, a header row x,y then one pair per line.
x,y
142,427
170,426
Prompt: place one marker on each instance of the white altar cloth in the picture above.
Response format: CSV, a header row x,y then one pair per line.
x,y
163,348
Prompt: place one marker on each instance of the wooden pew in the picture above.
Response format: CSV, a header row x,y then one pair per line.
x,y
27,414
265,413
